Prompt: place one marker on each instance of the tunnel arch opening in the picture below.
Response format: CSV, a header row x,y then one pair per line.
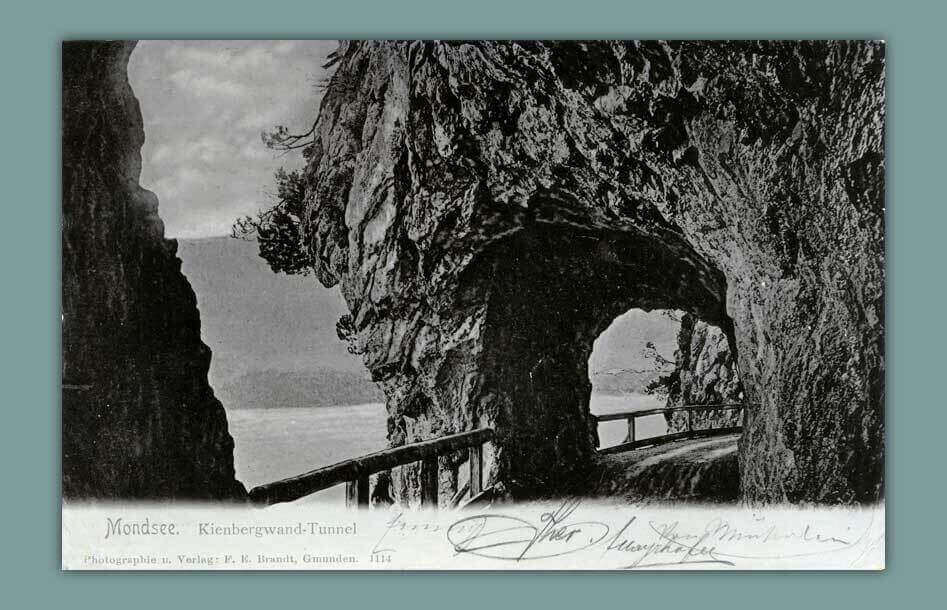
x,y
553,290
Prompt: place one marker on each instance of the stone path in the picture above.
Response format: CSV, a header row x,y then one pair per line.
x,y
697,470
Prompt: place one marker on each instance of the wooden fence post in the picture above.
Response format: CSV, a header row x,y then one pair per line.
x,y
475,457
351,494
357,493
690,420
631,429
361,487
429,482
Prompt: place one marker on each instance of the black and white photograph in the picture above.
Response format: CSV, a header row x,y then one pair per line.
x,y
473,304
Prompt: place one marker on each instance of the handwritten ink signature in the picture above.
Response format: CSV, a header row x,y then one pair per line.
x,y
668,544
645,543
499,536
399,527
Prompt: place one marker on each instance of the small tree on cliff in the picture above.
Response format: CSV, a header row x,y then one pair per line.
x,y
277,229
345,329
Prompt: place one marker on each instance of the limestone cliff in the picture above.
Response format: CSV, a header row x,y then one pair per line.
x,y
139,420
488,209
705,373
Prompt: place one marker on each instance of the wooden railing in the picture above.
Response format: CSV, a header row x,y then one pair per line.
x,y
690,432
355,473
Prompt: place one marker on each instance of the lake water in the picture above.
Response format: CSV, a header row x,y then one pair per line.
x,y
272,444
614,432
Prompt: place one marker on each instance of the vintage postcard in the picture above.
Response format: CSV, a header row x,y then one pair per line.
x,y
473,305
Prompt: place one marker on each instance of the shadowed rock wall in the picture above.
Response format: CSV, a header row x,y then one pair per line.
x,y
139,420
489,208
705,373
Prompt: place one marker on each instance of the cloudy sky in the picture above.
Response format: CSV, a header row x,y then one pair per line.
x,y
204,105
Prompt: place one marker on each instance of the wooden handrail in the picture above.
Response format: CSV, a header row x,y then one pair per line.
x,y
631,416
663,410
355,472
670,438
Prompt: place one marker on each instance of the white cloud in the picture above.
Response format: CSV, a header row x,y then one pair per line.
x,y
183,181
284,47
204,104
266,119
207,149
236,56
193,83
256,151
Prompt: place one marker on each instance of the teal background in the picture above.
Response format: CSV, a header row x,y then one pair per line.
x,y
29,254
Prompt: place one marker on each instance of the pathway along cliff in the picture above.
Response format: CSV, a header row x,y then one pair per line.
x,y
489,208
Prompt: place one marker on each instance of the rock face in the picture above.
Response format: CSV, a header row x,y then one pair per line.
x,y
705,373
489,208
139,420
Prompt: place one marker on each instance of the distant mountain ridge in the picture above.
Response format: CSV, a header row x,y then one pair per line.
x,y
269,389
621,381
621,363
272,335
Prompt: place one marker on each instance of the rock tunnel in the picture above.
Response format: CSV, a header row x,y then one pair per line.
x,y
489,208
552,291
